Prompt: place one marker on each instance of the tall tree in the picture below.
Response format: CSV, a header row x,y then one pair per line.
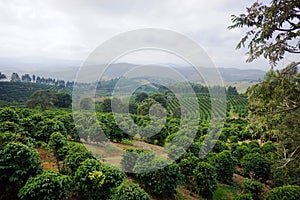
x,y
2,76
26,78
15,77
43,98
274,29
274,104
64,100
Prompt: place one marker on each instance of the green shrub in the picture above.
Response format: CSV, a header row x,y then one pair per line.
x,y
77,154
94,180
244,197
253,187
18,162
9,126
130,191
287,192
9,115
7,137
205,177
268,147
165,178
225,166
256,164
175,152
129,158
49,185
253,144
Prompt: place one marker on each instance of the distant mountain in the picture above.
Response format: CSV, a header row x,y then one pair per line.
x,y
234,74
67,70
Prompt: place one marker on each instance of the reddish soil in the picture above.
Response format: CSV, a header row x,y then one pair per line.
x,y
48,159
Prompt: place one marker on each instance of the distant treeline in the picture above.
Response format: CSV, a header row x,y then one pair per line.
x,y
20,87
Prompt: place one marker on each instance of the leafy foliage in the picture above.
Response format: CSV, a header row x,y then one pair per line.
x,y
287,192
130,191
162,182
244,197
42,98
88,178
129,159
49,185
205,177
63,100
56,142
253,187
77,154
225,166
256,165
9,115
46,127
274,103
18,162
274,29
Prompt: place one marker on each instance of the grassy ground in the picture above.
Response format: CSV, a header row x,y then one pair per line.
x,y
225,192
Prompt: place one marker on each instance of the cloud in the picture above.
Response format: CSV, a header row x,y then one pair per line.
x,y
71,29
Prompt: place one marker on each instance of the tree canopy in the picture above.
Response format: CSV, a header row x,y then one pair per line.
x,y
43,98
274,29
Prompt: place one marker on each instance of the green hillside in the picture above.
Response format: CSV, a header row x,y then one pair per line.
x,y
21,91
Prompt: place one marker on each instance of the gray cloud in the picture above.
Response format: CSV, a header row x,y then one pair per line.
x,y
71,29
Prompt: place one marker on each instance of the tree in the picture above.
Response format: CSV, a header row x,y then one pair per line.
x,y
274,107
49,185
144,107
9,115
141,97
64,100
205,177
88,178
160,98
231,91
252,187
163,181
18,162
274,29
2,76
45,128
96,180
86,103
256,165
15,77
107,104
77,154
42,98
130,191
187,166
288,192
129,158
225,166
26,78
274,104
56,142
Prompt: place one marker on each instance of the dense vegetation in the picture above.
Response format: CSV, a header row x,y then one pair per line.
x,y
77,174
255,156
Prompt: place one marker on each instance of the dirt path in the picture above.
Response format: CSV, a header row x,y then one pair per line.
x,y
112,151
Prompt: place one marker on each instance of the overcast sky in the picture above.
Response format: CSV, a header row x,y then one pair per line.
x,y
72,29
